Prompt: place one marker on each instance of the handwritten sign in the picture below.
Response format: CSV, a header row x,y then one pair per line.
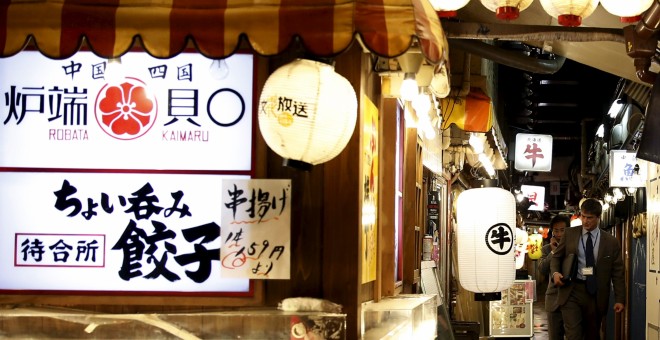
x,y
256,229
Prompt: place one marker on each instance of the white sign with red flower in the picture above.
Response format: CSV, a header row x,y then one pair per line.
x,y
183,113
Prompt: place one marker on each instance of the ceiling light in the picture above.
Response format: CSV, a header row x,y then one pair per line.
x,y
409,89
615,109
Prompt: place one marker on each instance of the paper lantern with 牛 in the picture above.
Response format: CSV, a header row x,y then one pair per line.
x,y
534,246
307,112
486,223
569,12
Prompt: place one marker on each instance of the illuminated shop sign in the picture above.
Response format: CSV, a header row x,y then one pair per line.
x,y
112,232
626,170
146,113
536,196
111,178
533,152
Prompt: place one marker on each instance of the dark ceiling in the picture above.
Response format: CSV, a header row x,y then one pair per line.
x,y
556,104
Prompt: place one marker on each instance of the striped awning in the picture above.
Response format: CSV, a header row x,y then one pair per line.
x,y
164,28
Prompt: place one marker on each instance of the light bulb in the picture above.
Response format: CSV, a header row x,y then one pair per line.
x,y
409,89
114,72
219,69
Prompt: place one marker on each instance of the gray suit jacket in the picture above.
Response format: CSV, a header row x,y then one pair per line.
x,y
609,267
544,270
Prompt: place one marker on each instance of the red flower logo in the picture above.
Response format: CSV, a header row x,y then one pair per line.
x,y
126,111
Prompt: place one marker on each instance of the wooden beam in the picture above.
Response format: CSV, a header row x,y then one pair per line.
x,y
473,30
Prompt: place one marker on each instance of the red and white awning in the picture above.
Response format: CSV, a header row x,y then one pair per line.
x,y
165,27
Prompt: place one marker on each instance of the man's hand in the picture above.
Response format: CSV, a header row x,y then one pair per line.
x,y
553,243
556,278
618,307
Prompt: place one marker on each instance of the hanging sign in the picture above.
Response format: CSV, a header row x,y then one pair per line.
x,y
126,233
256,233
626,170
146,113
486,239
533,152
536,196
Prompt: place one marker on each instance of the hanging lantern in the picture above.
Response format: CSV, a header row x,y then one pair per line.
x,y
506,9
628,10
448,8
307,113
569,12
486,219
520,248
534,246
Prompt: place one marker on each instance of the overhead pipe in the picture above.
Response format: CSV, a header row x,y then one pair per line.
x,y
583,157
508,57
641,42
650,23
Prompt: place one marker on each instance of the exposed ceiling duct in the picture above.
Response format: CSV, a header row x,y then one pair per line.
x,y
642,42
509,58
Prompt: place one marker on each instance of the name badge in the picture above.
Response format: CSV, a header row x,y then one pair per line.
x,y
588,271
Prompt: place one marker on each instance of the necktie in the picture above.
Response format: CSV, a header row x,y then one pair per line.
x,y
591,262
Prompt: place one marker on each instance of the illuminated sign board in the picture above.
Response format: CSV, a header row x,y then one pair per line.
x,y
626,170
536,196
161,114
111,179
533,152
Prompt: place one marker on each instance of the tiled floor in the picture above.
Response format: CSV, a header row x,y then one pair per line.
x,y
540,321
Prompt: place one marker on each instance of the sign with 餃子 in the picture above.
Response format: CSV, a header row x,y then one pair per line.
x,y
626,170
147,113
256,228
124,233
533,152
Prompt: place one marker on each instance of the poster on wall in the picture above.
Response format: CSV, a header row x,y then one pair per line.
x,y
146,113
125,233
369,244
256,220
653,216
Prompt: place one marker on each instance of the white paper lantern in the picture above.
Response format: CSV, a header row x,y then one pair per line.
x,y
569,12
506,9
448,8
486,219
627,10
307,112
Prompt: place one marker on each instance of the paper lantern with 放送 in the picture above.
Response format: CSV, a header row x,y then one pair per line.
x,y
534,246
486,223
307,112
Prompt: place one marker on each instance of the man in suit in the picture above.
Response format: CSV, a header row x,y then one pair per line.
x,y
583,302
558,225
